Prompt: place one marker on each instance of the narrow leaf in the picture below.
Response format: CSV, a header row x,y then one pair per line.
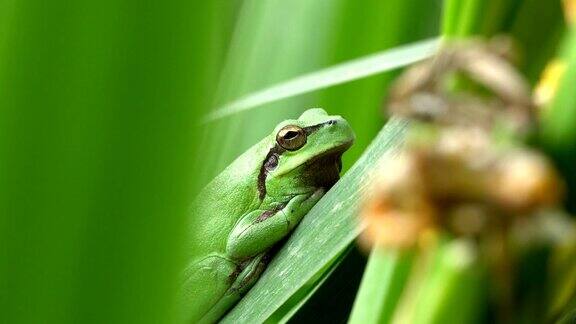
x,y
334,75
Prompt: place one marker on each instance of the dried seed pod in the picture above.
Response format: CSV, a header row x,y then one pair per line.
x,y
459,182
424,92
399,210
524,180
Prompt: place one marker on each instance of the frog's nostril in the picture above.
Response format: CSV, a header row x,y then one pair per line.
x,y
332,122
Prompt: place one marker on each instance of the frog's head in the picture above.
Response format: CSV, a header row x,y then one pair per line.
x,y
305,154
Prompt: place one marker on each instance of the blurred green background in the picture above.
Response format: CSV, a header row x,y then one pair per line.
x,y
102,145
99,102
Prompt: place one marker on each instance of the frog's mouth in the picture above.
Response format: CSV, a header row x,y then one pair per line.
x,y
324,170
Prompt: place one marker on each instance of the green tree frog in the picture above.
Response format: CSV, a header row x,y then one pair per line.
x,y
254,203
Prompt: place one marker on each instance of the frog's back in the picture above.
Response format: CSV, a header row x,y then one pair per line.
x,y
223,201
216,210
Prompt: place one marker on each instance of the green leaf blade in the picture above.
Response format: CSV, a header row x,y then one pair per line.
x,y
341,73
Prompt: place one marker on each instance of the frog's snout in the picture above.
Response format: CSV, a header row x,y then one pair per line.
x,y
340,129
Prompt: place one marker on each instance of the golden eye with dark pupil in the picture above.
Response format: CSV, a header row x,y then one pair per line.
x,y
291,137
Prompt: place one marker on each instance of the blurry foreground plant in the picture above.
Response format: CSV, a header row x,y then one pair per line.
x,y
467,217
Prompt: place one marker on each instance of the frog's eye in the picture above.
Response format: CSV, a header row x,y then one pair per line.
x,y
291,137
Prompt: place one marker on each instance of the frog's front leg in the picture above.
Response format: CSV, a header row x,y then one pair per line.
x,y
260,230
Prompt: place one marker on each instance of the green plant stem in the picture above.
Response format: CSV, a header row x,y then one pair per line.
x,y
444,276
382,285
457,281
470,16
452,9
461,17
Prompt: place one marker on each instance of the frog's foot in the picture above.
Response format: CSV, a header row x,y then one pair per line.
x,y
244,278
205,283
